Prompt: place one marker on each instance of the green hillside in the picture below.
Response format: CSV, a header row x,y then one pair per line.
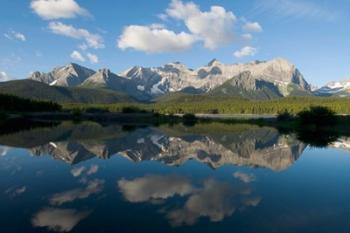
x,y
40,91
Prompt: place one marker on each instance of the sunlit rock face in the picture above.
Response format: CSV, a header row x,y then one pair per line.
x,y
251,146
68,76
173,77
278,76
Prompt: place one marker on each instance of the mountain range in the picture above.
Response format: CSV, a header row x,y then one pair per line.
x,y
254,80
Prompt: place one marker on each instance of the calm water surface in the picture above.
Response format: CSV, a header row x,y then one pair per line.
x,y
206,178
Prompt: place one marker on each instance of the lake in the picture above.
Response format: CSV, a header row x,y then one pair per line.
x,y
92,177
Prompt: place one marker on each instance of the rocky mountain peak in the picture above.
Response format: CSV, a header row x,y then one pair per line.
x,y
214,62
134,72
73,65
35,74
105,72
69,75
281,63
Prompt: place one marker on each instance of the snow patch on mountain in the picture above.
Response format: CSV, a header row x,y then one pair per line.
x,y
337,88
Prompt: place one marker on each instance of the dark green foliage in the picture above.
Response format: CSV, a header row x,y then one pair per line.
x,y
96,110
132,109
229,105
15,125
77,112
223,105
129,128
189,119
214,111
285,116
317,115
317,137
9,103
3,116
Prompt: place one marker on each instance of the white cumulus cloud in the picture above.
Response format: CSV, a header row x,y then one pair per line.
x,y
92,59
252,27
55,9
245,52
154,39
77,56
92,40
215,27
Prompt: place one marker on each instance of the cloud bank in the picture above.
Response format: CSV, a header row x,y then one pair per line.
x,y
56,9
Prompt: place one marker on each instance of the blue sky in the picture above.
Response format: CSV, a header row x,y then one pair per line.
x,y
42,34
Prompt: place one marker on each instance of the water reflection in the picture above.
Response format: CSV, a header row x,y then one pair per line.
x,y
4,150
244,177
98,181
213,144
212,199
92,187
16,191
60,220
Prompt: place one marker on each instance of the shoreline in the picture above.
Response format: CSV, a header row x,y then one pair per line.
x,y
119,116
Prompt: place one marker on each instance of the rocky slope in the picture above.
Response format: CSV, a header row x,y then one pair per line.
x,y
273,78
70,75
174,77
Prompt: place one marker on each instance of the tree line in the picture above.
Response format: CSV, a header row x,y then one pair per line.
x,y
292,105
10,103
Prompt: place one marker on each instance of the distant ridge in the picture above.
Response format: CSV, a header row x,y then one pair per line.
x,y
266,79
335,88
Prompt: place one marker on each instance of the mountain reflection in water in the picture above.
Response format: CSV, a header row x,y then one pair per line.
x,y
213,144
93,177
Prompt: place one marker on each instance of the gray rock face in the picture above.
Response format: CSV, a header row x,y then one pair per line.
x,y
148,83
245,81
104,78
247,86
70,75
175,77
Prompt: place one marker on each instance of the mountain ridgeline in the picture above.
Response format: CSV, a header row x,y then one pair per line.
x,y
339,89
76,84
